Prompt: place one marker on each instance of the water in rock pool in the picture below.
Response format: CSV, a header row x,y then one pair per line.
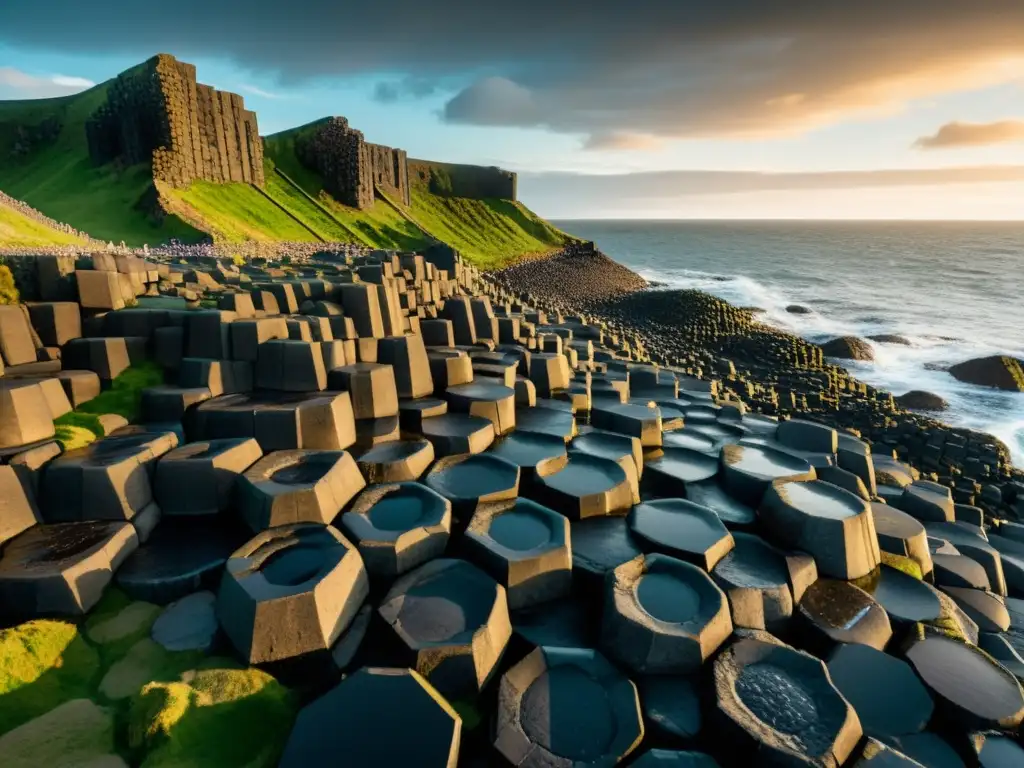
x,y
951,289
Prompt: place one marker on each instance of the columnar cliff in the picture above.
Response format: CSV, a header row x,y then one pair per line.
x,y
158,113
473,181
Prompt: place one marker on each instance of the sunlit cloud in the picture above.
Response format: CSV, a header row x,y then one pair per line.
x,y
956,135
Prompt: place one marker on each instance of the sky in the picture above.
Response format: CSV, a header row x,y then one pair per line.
x,y
647,109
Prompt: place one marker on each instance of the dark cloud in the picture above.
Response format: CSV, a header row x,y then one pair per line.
x,y
956,135
648,67
389,91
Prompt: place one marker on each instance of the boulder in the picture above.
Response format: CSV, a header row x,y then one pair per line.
x,y
998,371
919,400
188,624
848,348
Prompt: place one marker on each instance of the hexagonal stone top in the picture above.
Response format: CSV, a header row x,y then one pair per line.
x,y
682,529
984,693
454,617
766,464
566,706
819,499
474,478
845,613
689,438
543,453
519,529
589,482
376,716
678,466
398,526
889,698
782,700
396,461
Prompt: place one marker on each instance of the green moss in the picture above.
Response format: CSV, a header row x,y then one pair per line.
x,y
905,564
145,663
76,734
42,664
8,290
217,715
125,394
19,231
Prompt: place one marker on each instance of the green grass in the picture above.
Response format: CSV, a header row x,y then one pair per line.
x,y
60,180
19,231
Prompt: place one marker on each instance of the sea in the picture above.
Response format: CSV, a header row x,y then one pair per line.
x,y
955,290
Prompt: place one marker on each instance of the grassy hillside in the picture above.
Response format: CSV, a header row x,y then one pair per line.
x,y
58,179
52,172
19,231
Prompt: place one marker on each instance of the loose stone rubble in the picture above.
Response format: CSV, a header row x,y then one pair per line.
x,y
415,514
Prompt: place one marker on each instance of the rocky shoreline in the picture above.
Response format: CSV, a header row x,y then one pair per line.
x,y
771,371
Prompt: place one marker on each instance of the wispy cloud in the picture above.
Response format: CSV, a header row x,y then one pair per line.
x,y
257,91
956,134
623,142
16,84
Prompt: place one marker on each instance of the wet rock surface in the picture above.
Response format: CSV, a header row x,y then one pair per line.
x,y
533,521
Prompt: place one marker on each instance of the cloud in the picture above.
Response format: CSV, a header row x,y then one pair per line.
x,y
15,84
256,91
688,69
390,91
956,134
623,142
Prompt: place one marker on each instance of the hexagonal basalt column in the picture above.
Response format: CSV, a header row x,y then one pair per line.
x,y
682,529
371,387
396,462
900,534
549,373
588,486
408,356
289,591
61,569
611,445
838,612
106,480
199,478
781,706
454,620
494,402
456,433
525,547
762,583
566,707
663,616
835,527
469,480
671,470
391,717
748,470
288,487
536,455
633,420
398,527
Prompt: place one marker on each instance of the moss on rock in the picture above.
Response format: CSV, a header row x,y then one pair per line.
x,y
145,662
42,665
217,715
77,733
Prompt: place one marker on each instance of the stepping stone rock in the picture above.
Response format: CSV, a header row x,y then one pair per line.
x,y
904,598
987,610
454,620
536,455
525,547
807,436
781,706
634,420
199,478
599,546
975,690
106,480
76,734
565,707
61,569
494,402
710,494
927,502
290,591
456,433
470,480
183,555
390,716
747,471
397,461
681,529
900,534
610,445
588,486
689,438
832,525
839,612
371,387
663,616
546,421
761,582
287,487
188,624
889,698
673,470
398,527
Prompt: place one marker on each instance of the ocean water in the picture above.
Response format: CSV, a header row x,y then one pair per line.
x,y
955,290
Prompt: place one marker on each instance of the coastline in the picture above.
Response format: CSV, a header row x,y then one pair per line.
x,y
772,371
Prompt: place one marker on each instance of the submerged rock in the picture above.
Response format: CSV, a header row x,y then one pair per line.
x,y
848,348
998,371
919,400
